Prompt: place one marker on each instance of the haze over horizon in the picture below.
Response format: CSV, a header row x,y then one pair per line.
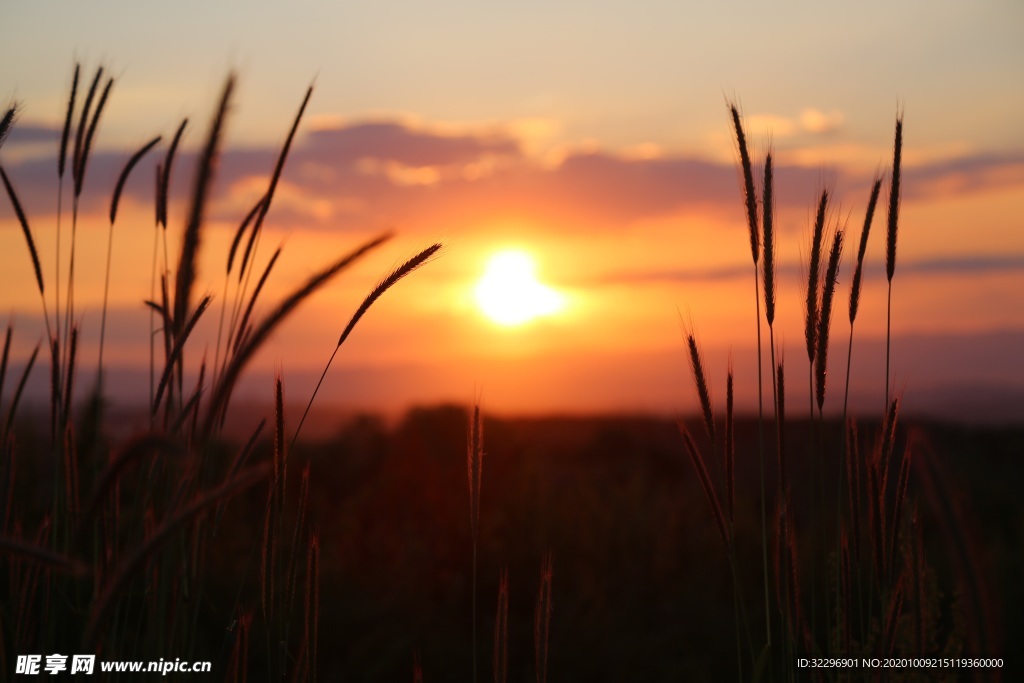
x,y
592,138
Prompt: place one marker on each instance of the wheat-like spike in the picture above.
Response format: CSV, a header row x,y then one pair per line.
x,y
384,285
750,197
123,178
164,182
705,482
203,180
280,447
825,316
66,132
83,160
813,276
894,201
83,122
23,221
701,383
7,122
862,249
233,369
279,166
768,223
387,283
4,358
157,209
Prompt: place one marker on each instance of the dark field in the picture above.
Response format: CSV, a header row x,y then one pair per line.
x,y
641,585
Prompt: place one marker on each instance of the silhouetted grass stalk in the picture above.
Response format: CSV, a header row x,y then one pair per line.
x,y
474,470
811,316
61,165
501,631
542,620
750,203
847,466
27,232
118,189
80,160
389,281
892,228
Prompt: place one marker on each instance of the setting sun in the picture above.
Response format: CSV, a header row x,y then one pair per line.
x,y
510,294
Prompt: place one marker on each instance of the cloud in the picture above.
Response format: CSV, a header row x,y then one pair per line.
x,y
32,134
810,121
818,122
964,175
982,264
371,175
391,141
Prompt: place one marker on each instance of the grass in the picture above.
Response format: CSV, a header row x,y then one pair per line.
x,y
122,556
865,597
124,574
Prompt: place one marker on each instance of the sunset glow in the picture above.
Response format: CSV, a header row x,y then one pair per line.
x,y
510,294
585,189
712,314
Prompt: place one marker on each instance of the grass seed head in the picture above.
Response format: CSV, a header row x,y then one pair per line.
x,y
749,195
701,383
825,316
894,201
813,275
862,250
768,222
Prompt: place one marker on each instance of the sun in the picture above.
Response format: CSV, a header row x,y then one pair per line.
x,y
510,294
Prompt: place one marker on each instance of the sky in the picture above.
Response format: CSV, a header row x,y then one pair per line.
x,y
594,138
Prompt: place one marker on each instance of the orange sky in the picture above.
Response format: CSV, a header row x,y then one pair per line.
x,y
638,232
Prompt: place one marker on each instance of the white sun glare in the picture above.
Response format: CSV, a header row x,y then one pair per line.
x,y
509,293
